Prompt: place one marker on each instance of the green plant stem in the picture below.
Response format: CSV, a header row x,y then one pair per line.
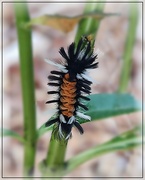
x,y
89,26
56,152
97,151
27,84
128,50
127,140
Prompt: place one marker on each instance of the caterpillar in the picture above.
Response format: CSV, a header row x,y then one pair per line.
x,y
72,86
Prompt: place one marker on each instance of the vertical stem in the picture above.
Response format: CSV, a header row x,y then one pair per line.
x,y
128,50
89,26
56,152
27,84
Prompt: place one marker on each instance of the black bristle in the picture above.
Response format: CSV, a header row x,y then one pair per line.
x,y
53,84
83,85
52,92
54,78
92,66
79,127
52,101
71,51
50,122
63,53
57,73
86,81
83,106
85,90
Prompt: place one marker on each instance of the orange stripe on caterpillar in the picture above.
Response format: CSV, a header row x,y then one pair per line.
x,y
68,96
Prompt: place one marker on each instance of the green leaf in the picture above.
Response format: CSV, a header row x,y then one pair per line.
x,y
64,23
127,140
106,105
7,132
103,106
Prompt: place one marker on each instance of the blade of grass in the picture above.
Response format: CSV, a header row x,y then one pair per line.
x,y
127,140
10,133
128,50
27,84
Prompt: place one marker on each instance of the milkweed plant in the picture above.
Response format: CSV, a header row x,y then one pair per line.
x,y
73,87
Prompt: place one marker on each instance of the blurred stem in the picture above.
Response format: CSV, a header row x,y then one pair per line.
x,y
128,50
127,140
27,84
89,26
56,152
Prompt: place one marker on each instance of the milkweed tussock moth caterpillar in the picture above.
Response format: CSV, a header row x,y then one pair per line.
x,y
72,85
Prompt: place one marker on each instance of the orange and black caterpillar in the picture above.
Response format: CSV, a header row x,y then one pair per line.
x,y
72,86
